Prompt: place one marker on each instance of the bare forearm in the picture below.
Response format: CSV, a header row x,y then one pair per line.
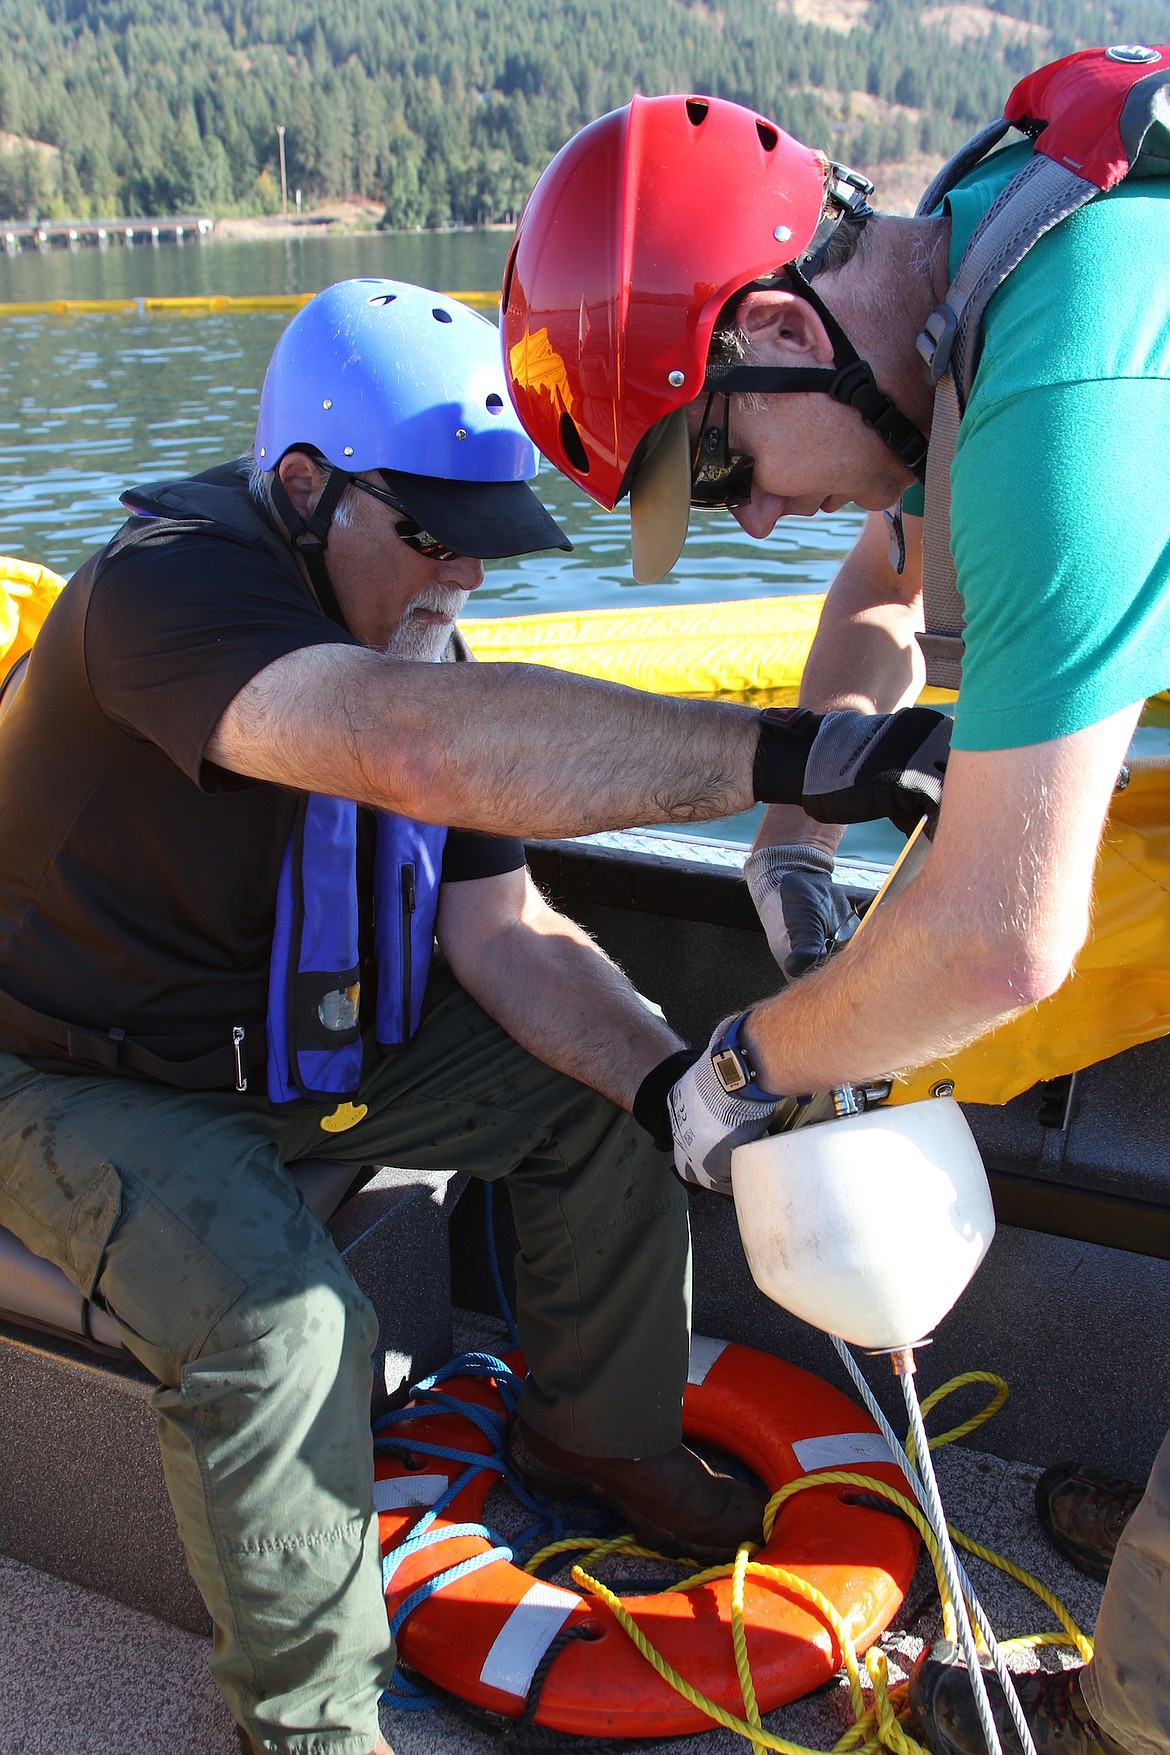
x,y
551,754
559,996
905,994
991,925
864,656
515,749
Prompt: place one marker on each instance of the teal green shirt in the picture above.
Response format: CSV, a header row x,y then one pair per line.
x,y
1060,497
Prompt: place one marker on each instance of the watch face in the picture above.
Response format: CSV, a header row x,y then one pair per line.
x,y
729,1069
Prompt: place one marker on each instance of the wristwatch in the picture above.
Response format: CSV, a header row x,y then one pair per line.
x,y
732,1067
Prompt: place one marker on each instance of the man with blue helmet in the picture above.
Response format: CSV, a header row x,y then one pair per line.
x,y
246,786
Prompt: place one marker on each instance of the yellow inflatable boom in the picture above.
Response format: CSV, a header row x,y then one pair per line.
x,y
755,647
748,647
27,594
1119,991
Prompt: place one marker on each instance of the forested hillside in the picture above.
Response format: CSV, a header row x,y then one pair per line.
x,y
446,110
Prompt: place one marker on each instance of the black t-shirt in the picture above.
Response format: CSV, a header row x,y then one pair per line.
x,y
137,878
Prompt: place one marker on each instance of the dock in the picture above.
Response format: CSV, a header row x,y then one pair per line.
x,y
71,234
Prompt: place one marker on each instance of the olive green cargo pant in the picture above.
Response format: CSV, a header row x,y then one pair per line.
x,y
174,1212
1127,1685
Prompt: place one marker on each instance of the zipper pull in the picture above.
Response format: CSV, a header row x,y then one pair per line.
x,y
238,1051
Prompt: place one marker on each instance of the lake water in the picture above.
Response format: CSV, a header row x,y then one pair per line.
x,y
90,404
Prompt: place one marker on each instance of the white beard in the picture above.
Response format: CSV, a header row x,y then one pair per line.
x,y
425,642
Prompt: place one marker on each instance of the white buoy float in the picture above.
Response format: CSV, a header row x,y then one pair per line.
x,y
871,1226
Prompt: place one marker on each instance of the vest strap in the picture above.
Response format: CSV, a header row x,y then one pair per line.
x,y
942,602
112,1051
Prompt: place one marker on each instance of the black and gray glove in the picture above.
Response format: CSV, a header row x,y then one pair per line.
x,y
718,1105
804,913
850,767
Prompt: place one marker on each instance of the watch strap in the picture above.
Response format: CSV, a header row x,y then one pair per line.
x,y
732,1065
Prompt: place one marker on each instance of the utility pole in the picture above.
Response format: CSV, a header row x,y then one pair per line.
x,y
283,179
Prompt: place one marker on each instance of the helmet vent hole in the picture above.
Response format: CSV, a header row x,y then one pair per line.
x,y
574,449
494,403
697,111
769,137
441,316
508,273
383,298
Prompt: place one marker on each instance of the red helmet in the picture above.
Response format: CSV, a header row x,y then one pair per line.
x,y
632,241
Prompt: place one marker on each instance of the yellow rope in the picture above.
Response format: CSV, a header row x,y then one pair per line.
x,y
880,1726
754,1733
594,1551
747,1686
1072,1634
952,1384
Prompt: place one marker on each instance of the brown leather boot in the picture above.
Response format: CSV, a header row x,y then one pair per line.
x,y
1055,1711
1083,1512
673,1503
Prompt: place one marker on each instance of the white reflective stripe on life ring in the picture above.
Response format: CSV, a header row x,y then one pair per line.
x,y
525,1637
704,1352
841,1450
398,1491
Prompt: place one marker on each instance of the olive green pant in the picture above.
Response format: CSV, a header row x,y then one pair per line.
x,y
174,1212
1127,1685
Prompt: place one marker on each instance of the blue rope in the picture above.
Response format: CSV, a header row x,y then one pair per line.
x,y
428,1399
494,1263
472,1564
407,1695
425,1535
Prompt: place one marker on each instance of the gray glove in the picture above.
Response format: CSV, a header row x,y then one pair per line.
x,y
804,913
850,767
709,1120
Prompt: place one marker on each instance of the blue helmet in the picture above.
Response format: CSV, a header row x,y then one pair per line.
x,y
378,374
383,375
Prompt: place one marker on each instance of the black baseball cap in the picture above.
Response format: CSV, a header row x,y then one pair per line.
x,y
486,519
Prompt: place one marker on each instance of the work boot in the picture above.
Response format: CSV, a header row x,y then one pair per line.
x,y
673,1503
1083,1512
945,1718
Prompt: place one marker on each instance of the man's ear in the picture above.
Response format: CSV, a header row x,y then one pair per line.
x,y
303,480
783,328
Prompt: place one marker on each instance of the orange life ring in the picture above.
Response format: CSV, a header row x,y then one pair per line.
x,y
483,1634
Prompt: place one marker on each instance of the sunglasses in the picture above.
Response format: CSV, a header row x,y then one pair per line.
x,y
411,532
719,475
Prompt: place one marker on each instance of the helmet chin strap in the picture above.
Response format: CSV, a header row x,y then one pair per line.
x,y
849,380
310,536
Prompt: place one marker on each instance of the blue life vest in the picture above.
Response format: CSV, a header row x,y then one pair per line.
x,y
314,988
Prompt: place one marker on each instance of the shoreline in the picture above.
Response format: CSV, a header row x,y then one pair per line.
x,y
332,219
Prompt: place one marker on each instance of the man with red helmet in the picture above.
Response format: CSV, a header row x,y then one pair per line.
x,y
700,310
